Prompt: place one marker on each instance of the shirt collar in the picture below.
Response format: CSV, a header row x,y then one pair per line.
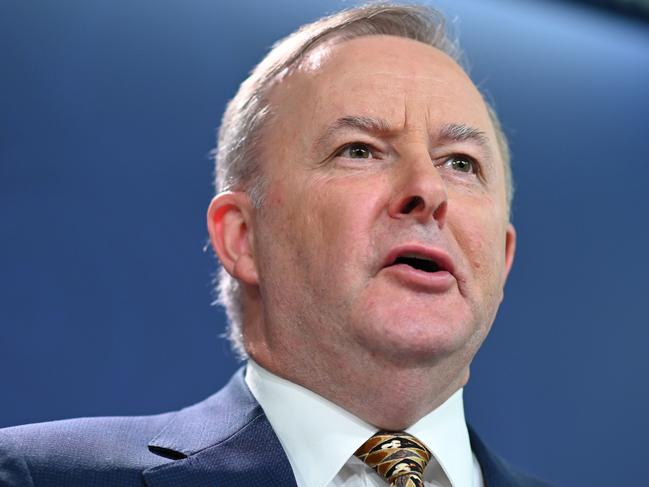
x,y
444,432
319,436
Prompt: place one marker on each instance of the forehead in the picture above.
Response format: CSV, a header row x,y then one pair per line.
x,y
399,80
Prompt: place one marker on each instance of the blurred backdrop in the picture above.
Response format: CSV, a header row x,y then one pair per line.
x,y
108,112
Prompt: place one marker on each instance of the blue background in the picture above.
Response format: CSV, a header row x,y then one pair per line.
x,y
108,111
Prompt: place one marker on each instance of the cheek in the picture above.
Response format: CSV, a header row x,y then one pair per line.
x,y
301,225
339,216
483,245
343,210
321,227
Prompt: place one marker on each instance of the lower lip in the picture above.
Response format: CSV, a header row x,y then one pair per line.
x,y
439,281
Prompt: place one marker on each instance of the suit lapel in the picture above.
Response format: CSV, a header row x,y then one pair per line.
x,y
495,472
224,440
227,440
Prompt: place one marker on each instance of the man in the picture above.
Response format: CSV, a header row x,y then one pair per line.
x,y
362,223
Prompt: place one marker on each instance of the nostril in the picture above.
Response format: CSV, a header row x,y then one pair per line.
x,y
411,204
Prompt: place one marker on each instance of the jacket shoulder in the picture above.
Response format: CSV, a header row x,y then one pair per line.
x,y
496,471
83,451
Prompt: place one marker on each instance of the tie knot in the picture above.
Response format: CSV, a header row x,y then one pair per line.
x,y
398,457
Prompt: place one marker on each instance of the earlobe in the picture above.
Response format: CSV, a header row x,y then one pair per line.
x,y
510,248
229,226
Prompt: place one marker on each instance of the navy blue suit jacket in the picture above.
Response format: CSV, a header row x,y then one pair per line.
x,y
225,440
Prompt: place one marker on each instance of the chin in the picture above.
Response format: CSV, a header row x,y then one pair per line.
x,y
416,343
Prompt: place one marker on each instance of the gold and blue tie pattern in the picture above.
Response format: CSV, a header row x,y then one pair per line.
x,y
398,457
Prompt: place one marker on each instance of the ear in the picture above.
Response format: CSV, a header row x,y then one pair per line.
x,y
229,219
510,248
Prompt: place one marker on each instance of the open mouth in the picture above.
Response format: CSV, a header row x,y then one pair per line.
x,y
418,262
421,267
420,258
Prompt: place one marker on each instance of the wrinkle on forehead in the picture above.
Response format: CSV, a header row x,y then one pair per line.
x,y
405,82
382,56
406,61
316,56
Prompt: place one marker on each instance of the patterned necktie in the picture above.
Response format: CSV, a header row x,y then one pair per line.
x,y
398,457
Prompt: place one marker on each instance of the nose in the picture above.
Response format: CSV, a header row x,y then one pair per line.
x,y
419,191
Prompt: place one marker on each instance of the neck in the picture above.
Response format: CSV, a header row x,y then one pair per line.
x,y
383,393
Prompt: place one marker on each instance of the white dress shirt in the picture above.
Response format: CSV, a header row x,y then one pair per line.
x,y
320,438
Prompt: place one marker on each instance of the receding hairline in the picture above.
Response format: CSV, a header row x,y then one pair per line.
x,y
237,163
305,65
326,46
337,39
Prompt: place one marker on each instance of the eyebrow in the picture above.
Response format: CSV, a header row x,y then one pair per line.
x,y
458,132
355,122
450,132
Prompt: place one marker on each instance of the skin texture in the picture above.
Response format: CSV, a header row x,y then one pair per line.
x,y
321,307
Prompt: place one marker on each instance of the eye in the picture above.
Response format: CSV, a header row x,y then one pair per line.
x,y
356,150
462,163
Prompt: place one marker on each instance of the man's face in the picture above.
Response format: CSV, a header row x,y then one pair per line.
x,y
384,231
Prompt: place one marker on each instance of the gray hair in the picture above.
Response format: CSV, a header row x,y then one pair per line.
x,y
237,155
